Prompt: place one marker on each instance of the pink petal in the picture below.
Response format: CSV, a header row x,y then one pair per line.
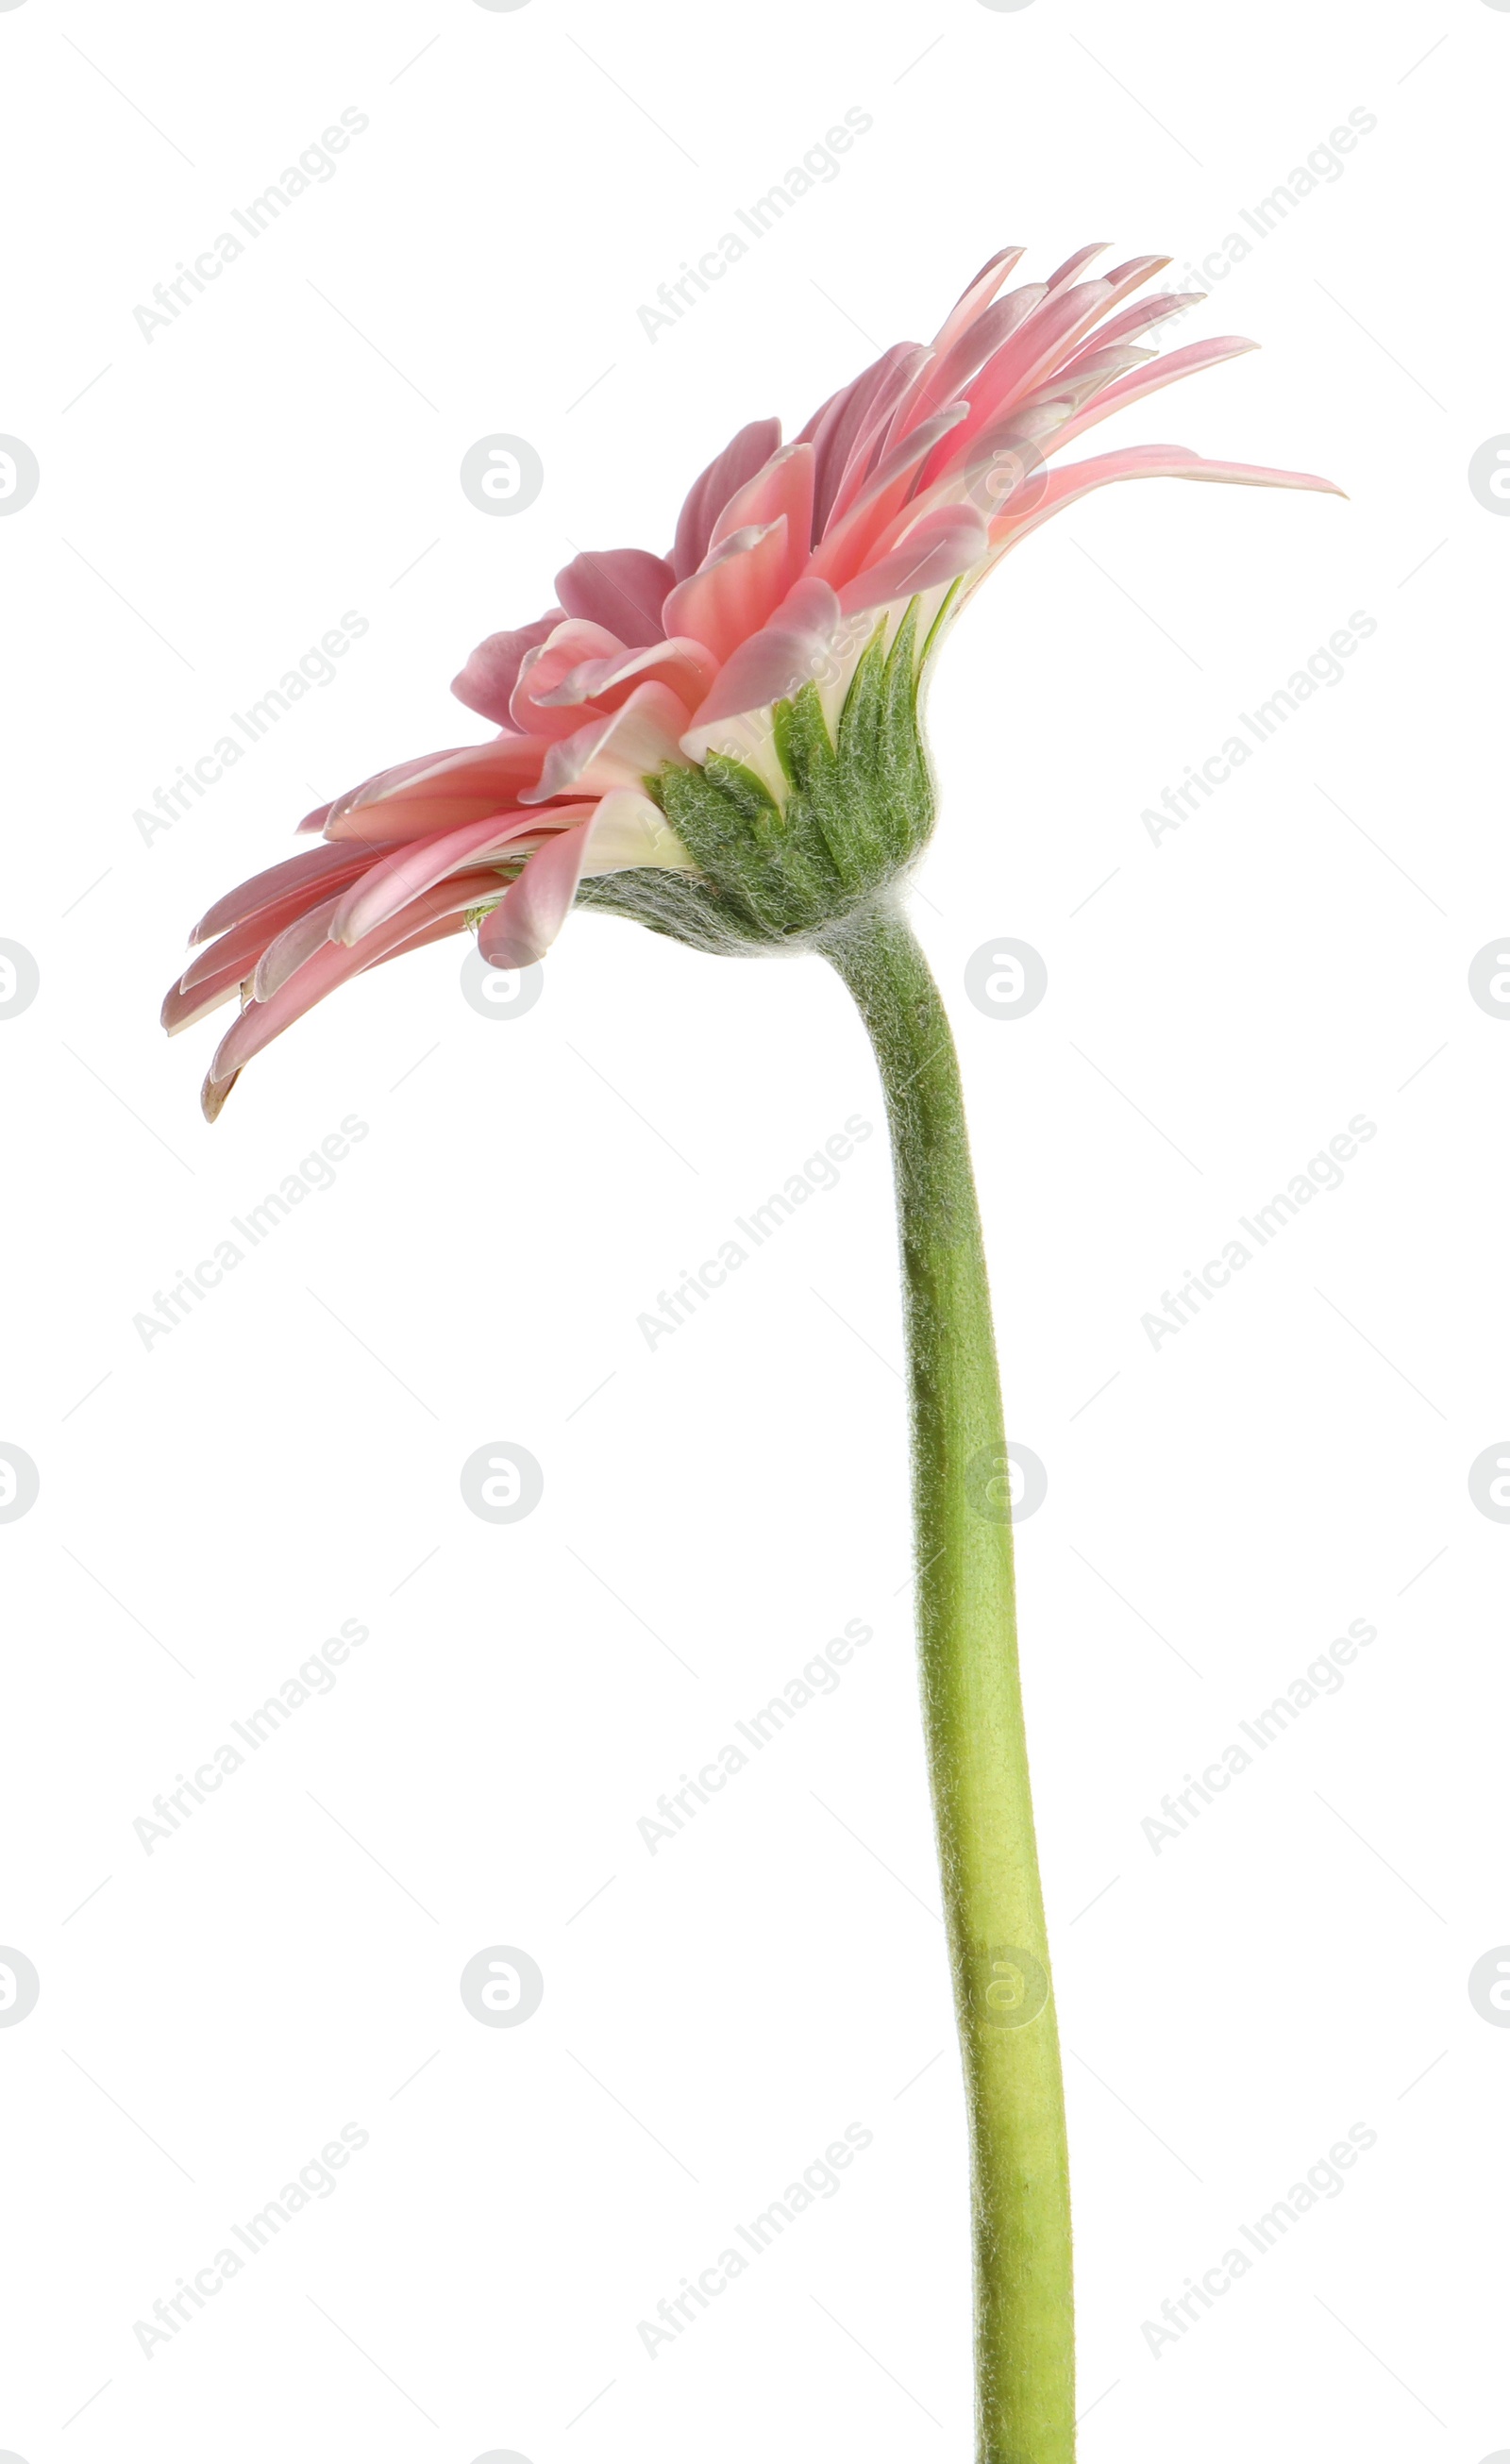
x,y
304,876
567,646
1054,332
730,596
710,492
1038,344
1144,462
686,666
182,1009
616,751
785,654
975,296
397,879
951,376
944,544
906,366
843,420
284,956
782,489
1075,266
1153,377
1144,313
1087,373
334,965
442,930
521,927
235,955
621,588
844,551
440,792
490,675
312,822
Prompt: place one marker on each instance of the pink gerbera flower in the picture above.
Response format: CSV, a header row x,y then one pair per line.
x,y
723,741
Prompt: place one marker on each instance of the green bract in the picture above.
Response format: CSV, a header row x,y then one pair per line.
x,y
776,874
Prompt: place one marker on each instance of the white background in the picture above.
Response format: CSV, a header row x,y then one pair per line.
x,y
1219,1004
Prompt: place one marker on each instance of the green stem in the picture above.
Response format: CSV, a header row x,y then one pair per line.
x,y
973,1708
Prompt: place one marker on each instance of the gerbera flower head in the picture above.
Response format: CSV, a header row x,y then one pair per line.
x,y
723,741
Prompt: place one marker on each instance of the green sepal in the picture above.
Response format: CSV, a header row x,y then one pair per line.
x,y
854,815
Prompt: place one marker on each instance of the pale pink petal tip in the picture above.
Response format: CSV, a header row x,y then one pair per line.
x,y
1256,474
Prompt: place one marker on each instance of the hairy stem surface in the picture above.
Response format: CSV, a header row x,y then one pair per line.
x,y
972,1708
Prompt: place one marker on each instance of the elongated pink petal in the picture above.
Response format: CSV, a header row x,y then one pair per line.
x,y
937,377
298,942
1144,462
845,418
1153,377
182,1009
952,375
1055,332
686,666
1037,345
733,592
391,884
490,675
1075,266
774,663
240,948
443,929
710,491
439,794
1144,313
977,293
781,490
840,555
573,641
394,826
900,383
944,544
1089,372
621,588
521,927
617,751
334,965
430,773
310,875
